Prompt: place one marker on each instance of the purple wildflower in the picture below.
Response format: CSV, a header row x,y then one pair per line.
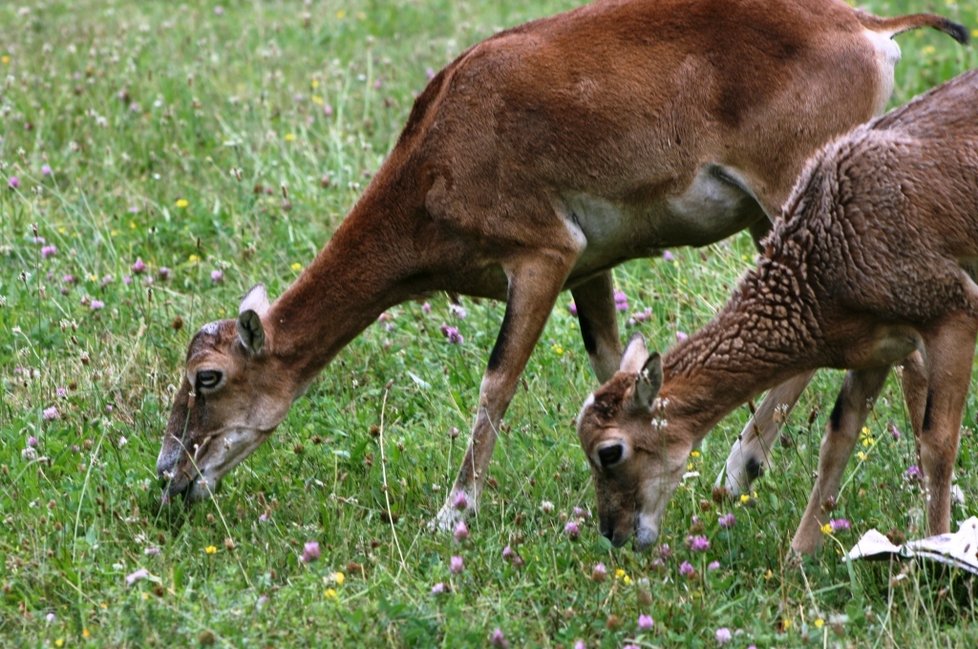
x,y
310,552
686,569
580,645
453,335
840,524
456,564
46,170
138,575
508,553
49,251
599,572
621,301
668,256
97,305
138,266
327,110
894,431
461,531
127,279
32,441
68,278
914,473
572,308
61,392
723,635
497,639
572,530
460,501
681,336
13,182
727,521
645,622
665,551
698,543
151,551
458,311
49,414
426,308
163,273
438,589
713,565
217,275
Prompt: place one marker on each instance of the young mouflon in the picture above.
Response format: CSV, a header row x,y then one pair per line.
x,y
871,265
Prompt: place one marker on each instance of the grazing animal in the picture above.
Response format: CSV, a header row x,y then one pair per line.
x,y
871,264
536,161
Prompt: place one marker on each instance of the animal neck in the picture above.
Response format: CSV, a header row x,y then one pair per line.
x,y
362,271
750,346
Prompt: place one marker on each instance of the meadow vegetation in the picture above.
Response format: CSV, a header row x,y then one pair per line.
x,y
159,158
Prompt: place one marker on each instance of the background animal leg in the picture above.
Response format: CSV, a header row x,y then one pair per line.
x,y
750,455
533,289
595,302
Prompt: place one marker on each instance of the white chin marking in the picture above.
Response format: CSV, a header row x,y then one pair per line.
x,y
646,532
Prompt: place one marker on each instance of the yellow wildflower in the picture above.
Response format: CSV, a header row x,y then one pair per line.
x,y
819,623
619,573
314,83
5,59
744,499
626,580
211,549
339,578
865,431
827,528
695,453
330,593
974,33
296,266
60,642
182,203
768,575
319,101
786,624
861,456
290,137
132,225
86,633
193,259
341,14
557,349
928,49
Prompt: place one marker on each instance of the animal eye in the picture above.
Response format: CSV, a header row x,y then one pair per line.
x,y
208,379
610,455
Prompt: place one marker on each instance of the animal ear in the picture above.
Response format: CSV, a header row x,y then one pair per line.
x,y
256,299
636,353
648,382
254,305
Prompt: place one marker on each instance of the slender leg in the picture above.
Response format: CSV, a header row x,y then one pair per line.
x,y
859,390
599,326
949,358
533,288
750,455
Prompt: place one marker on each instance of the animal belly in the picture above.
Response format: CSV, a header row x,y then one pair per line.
x,y
712,207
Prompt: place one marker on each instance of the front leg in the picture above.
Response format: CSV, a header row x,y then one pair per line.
x,y
534,285
595,303
859,391
751,453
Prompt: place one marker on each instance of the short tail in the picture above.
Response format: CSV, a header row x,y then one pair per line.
x,y
900,24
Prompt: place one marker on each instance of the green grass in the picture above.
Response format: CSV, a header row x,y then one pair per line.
x,y
137,107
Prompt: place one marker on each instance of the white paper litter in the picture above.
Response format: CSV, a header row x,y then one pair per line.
x,y
959,549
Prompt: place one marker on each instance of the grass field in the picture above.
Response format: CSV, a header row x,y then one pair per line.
x,y
156,160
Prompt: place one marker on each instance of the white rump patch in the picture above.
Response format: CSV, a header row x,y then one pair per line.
x,y
887,55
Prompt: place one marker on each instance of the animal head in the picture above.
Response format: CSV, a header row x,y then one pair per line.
x,y
636,460
233,394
